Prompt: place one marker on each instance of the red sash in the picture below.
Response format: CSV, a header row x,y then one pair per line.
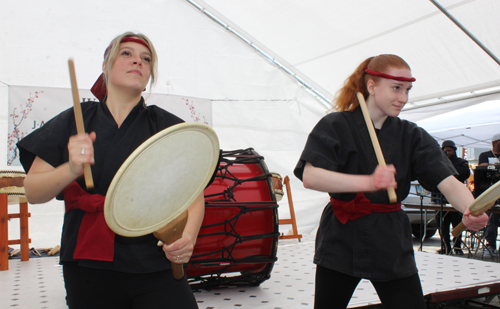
x,y
95,239
360,206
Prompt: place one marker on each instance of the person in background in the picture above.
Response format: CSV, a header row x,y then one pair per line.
x,y
491,233
361,234
453,217
494,153
101,269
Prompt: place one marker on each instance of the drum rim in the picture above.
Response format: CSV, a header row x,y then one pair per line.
x,y
486,198
118,179
12,174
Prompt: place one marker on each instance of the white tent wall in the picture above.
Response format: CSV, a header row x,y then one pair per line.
x,y
4,103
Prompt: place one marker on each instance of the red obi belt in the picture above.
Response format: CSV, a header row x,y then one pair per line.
x,y
360,206
95,240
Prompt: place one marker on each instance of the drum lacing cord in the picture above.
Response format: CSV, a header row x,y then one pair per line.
x,y
238,152
242,156
228,194
238,238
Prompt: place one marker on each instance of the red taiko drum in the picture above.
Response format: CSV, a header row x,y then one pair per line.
x,y
238,240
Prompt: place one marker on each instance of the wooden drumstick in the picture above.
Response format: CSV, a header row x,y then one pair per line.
x,y
480,205
80,129
169,234
54,250
373,136
461,227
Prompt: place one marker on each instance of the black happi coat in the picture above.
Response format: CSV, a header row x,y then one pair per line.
x,y
377,246
112,147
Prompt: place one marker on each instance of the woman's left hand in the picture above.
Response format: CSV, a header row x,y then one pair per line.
x,y
180,251
474,223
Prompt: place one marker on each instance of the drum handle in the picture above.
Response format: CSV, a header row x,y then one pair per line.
x,y
169,234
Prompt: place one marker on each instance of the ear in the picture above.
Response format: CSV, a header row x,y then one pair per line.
x,y
370,86
105,68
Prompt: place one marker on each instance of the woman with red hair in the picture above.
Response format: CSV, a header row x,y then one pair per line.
x,y
361,234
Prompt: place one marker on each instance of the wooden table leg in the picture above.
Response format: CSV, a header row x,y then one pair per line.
x,y
24,230
4,232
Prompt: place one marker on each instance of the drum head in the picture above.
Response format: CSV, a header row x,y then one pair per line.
x,y
486,199
161,179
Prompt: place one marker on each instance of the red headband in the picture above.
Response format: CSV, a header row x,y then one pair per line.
x,y
99,88
387,76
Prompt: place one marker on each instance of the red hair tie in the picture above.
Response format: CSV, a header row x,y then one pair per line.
x,y
99,88
387,76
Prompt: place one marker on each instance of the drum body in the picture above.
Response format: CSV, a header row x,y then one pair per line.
x,y
237,243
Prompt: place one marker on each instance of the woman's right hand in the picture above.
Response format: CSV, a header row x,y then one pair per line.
x,y
81,151
384,177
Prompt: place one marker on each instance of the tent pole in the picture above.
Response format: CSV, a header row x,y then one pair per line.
x,y
456,22
442,100
314,89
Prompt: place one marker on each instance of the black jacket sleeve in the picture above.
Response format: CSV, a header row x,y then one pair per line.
x,y
462,167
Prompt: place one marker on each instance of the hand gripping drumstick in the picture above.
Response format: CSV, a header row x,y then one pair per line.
x,y
87,172
373,136
170,233
481,205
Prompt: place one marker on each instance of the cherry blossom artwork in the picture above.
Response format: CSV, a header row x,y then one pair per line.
x,y
17,117
195,116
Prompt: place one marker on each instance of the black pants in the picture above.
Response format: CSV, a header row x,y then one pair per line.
x,y
454,218
99,288
334,291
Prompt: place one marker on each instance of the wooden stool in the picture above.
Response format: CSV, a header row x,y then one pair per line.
x,y
12,192
291,221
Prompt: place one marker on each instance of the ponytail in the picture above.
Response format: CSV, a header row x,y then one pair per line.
x,y
346,99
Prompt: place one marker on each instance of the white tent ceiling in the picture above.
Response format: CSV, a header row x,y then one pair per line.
x,y
471,127
326,40
255,103
323,40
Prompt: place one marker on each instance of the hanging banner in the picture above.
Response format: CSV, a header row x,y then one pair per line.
x,y
30,107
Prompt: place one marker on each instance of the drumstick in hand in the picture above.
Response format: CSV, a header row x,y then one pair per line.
x,y
457,231
480,205
373,136
80,129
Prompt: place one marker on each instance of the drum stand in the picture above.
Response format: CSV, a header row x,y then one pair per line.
x,y
291,221
23,215
12,186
